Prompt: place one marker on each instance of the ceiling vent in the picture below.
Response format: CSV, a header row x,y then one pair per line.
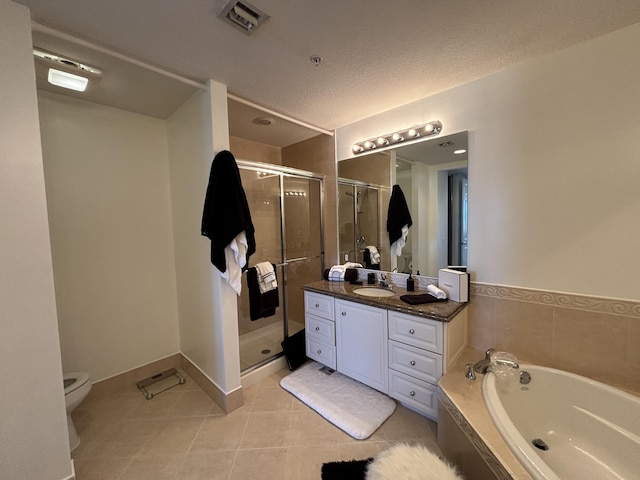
x,y
243,15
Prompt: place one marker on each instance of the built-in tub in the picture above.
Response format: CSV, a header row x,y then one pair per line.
x,y
592,430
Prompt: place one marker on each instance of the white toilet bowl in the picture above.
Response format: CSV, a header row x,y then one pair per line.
x,y
76,387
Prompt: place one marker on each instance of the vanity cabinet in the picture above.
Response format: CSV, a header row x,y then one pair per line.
x,y
361,343
396,353
415,361
320,332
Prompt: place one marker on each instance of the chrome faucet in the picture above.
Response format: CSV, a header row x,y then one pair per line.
x,y
383,281
481,366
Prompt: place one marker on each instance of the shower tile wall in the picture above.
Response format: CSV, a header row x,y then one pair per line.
x,y
595,337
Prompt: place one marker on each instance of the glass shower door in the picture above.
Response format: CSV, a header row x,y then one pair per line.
x,y
303,252
286,210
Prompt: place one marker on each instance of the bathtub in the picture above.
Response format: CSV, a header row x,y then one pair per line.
x,y
592,431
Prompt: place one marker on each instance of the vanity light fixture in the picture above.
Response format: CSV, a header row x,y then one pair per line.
x,y
428,130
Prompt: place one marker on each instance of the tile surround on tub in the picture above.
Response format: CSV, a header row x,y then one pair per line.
x,y
566,331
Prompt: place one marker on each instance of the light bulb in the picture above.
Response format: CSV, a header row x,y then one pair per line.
x,y
382,141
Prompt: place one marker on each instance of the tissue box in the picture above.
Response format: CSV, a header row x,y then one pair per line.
x,y
455,283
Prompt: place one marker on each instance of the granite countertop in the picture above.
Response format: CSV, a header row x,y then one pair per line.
x,y
442,311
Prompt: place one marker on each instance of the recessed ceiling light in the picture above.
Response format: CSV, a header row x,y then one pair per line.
x,y
67,80
264,121
459,152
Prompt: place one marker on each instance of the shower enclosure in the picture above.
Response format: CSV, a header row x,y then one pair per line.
x,y
286,209
359,220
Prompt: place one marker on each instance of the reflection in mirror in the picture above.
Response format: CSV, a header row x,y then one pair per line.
x,y
434,181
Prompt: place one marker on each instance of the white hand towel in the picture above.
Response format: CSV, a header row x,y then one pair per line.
x,y
374,255
436,292
266,277
336,273
235,255
398,245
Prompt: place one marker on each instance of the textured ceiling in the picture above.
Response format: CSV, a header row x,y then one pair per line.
x,y
377,54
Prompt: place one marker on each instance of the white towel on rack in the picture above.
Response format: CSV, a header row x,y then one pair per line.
x,y
374,255
266,277
235,255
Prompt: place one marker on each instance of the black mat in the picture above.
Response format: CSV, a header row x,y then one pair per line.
x,y
294,349
349,470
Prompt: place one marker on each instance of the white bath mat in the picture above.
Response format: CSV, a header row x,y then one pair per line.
x,y
347,403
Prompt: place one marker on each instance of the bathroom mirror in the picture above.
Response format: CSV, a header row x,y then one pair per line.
x,y
433,179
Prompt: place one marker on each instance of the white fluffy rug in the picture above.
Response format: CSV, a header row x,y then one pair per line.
x,y
408,462
347,403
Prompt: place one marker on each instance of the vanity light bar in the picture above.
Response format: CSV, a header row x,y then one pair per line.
x,y
428,130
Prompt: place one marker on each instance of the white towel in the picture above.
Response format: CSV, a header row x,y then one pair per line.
x,y
266,277
398,245
436,292
374,255
336,273
235,255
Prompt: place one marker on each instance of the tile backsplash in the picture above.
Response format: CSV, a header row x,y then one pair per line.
x,y
595,337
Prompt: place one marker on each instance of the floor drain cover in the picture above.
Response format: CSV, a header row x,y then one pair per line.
x,y
265,351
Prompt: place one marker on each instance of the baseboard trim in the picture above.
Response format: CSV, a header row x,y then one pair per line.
x,y
228,402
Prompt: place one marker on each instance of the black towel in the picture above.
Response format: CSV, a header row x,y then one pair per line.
x,y
226,211
366,257
420,299
261,305
398,214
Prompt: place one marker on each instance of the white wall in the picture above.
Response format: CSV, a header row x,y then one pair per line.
x,y
207,306
107,179
553,166
34,442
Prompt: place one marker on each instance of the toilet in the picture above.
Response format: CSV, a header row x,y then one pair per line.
x,y
76,387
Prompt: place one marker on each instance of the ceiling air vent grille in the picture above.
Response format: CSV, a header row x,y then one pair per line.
x,y
243,15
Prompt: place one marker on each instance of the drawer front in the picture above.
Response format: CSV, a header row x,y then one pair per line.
x,y
321,352
424,365
320,329
320,305
415,393
416,331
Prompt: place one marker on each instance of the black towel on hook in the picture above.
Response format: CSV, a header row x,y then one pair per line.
x,y
261,305
226,211
398,214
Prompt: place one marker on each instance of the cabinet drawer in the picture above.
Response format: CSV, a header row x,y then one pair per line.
x,y
424,365
320,329
320,305
415,393
416,331
321,352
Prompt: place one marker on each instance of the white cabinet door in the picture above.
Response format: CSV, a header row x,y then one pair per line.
x,y
361,343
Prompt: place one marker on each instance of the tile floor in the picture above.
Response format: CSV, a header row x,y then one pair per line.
x,y
182,434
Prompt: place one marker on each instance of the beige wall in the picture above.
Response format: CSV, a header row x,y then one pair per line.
x,y
34,442
107,178
590,336
244,149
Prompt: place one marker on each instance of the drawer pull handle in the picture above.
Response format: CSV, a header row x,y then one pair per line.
x,y
317,329
344,313
319,352
317,305
412,393
413,362
412,331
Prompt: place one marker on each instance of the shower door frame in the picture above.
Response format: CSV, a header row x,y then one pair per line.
x,y
283,172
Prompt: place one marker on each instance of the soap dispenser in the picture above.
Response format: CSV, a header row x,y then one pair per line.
x,y
410,283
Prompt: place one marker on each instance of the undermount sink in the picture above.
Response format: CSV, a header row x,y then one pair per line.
x,y
373,292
